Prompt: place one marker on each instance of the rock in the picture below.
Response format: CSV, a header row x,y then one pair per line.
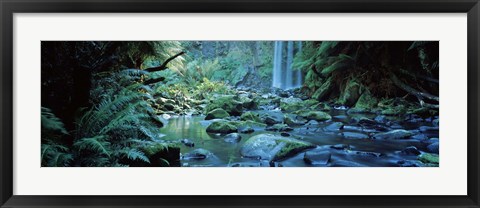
x,y
410,151
408,163
350,94
169,106
232,138
324,90
251,164
370,154
197,154
340,146
271,147
217,113
419,137
272,118
394,134
433,148
291,120
381,119
354,135
317,158
394,110
284,134
336,126
345,163
291,104
365,103
312,123
246,130
279,127
223,127
250,116
429,158
316,115
227,103
436,122
187,142
428,129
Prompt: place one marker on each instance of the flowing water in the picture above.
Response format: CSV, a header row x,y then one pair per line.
x,y
225,153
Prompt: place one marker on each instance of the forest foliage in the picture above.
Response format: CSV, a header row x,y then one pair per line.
x,y
107,113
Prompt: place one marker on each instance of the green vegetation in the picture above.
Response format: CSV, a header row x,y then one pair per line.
x,y
107,103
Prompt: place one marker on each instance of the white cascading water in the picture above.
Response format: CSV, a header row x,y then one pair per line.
x,y
283,73
277,65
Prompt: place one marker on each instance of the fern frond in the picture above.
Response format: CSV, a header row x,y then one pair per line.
x,y
94,144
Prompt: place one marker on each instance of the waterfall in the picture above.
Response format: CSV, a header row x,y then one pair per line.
x,y
299,82
277,65
283,72
289,73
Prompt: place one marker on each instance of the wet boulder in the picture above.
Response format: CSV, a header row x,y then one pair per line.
x,y
340,147
433,148
250,116
291,104
315,115
355,135
317,158
272,147
232,138
429,159
412,150
221,126
197,154
394,134
335,126
293,120
187,142
279,127
228,103
246,130
217,113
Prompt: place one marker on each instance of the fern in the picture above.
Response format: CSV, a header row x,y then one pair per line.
x,y
96,144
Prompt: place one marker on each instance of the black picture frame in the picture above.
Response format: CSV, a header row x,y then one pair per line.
x,y
9,7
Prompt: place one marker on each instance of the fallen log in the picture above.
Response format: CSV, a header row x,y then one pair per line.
x,y
411,90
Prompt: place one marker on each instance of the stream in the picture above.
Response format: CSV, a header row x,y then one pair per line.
x,y
350,146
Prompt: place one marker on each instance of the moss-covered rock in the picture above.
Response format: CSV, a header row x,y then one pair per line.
x,y
272,147
394,134
250,116
293,120
227,103
291,104
223,127
324,90
350,94
394,111
279,127
315,115
365,103
429,158
217,113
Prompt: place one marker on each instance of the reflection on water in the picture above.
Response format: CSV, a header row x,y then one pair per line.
x,y
193,128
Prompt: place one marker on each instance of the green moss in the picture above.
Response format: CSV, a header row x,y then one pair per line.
x,y
324,90
217,113
315,115
250,116
350,94
392,111
223,127
366,102
290,148
429,158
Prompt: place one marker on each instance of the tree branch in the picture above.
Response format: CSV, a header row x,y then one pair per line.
x,y
164,65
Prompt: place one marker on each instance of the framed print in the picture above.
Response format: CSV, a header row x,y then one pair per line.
x,y
246,104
